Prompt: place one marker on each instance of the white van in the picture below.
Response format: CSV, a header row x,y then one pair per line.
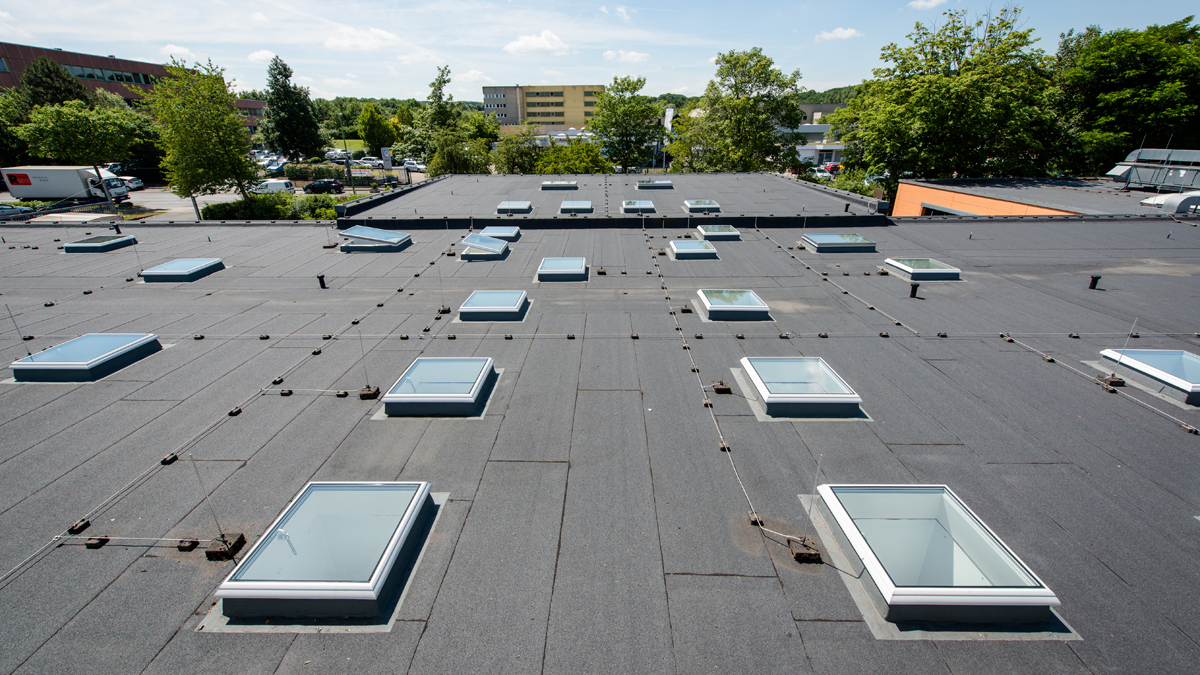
x,y
268,186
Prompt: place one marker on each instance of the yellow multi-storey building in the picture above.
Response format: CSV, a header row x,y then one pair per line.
x,y
548,105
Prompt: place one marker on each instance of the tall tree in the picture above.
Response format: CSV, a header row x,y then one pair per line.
x,y
576,156
477,125
748,112
70,132
14,111
626,123
375,131
437,118
967,99
517,153
1125,88
44,82
439,111
455,153
200,132
290,120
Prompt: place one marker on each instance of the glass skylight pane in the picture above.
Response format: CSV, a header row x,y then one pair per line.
x,y
798,375
182,265
924,537
733,298
659,184
102,239
847,238
691,245
493,299
1177,368
440,376
500,232
575,207
375,234
562,264
700,202
923,263
333,533
87,348
718,229
489,244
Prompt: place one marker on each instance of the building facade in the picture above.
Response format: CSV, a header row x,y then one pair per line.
x,y
547,105
128,79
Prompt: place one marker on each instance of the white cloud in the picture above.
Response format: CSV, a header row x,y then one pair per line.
x,y
473,76
547,71
838,34
391,69
683,90
926,4
261,56
627,57
546,43
622,13
179,53
603,9
349,38
412,54
10,28
712,59
259,16
304,79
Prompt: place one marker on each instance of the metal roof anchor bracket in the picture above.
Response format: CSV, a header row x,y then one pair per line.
x,y
368,393
225,547
804,550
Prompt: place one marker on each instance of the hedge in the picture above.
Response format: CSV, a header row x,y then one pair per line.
x,y
312,171
275,206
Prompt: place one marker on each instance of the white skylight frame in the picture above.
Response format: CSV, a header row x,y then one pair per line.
x,y
40,361
326,590
375,235
637,206
813,242
514,207
513,309
707,234
471,397
505,232
943,273
692,249
652,184
701,206
577,206
1128,358
1038,595
485,243
544,274
747,310
851,398
111,242
560,185
202,267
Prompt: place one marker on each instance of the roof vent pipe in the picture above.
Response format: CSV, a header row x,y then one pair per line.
x,y
1095,279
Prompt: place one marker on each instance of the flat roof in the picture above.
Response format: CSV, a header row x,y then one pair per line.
x,y
591,505
1067,194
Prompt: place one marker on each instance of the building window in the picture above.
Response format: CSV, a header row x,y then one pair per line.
x,y
589,104
588,113
3,65
547,104
529,94
592,93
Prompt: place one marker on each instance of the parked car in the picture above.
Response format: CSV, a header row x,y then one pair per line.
x,y
413,165
822,173
324,185
336,154
13,210
132,183
267,186
372,162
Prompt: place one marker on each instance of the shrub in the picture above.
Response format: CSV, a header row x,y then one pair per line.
x,y
273,206
358,154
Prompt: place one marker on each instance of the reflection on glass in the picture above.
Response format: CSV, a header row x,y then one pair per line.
x,y
562,264
440,376
182,265
798,375
505,299
84,348
733,297
923,263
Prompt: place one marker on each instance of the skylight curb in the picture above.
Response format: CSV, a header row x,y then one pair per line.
x,y
708,233
692,250
33,369
183,270
944,273
463,404
727,312
108,244
817,404
837,243
1129,359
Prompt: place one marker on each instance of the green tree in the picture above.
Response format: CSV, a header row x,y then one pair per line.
x,y
455,153
748,109
143,152
403,117
374,130
439,111
477,125
290,120
576,156
1128,88
200,132
683,145
72,133
14,111
967,99
517,153
44,82
437,117
626,123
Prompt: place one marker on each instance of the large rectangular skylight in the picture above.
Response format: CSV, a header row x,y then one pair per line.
x,y
375,235
800,386
1173,367
515,207
733,305
838,243
701,206
575,207
929,557
183,270
86,358
441,386
562,269
719,232
924,269
637,206
559,185
485,243
493,306
100,244
339,549
655,185
505,232
690,249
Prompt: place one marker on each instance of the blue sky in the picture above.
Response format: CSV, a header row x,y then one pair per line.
x,y
381,48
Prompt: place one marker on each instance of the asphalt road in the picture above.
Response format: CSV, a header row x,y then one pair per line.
x,y
175,207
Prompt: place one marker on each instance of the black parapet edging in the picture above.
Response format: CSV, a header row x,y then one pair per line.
x,y
351,209
840,220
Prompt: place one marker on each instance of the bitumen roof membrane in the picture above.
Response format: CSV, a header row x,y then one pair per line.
x,y
591,522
